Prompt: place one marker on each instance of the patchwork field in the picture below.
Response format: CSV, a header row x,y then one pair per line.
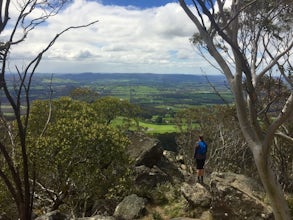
x,y
155,91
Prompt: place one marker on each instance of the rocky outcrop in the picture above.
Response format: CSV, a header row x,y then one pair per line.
x,y
171,168
145,150
225,196
149,177
228,196
236,196
151,166
131,207
196,195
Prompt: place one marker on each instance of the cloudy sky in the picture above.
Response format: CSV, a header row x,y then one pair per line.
x,y
132,36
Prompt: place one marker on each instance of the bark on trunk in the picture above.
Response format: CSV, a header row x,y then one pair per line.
x,y
23,212
25,215
273,188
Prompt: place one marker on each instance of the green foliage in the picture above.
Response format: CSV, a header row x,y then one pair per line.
x,y
272,16
157,216
6,203
108,108
84,94
168,197
146,90
158,129
76,157
166,193
197,39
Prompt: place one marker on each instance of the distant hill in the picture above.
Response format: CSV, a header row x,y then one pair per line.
x,y
143,78
144,89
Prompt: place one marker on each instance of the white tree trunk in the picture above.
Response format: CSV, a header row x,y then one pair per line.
x,y
246,106
270,183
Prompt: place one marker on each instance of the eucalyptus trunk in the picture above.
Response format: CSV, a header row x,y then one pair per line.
x,y
223,33
272,187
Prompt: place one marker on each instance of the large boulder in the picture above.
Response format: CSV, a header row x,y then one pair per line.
x,y
171,168
131,207
149,177
152,166
196,195
236,196
144,150
198,198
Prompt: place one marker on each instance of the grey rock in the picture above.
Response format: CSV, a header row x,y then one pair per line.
x,y
145,150
131,207
149,177
236,196
196,195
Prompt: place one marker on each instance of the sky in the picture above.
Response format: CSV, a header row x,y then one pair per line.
x,y
138,3
131,36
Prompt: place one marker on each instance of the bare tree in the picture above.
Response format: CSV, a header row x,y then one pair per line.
x,y
15,171
250,39
227,150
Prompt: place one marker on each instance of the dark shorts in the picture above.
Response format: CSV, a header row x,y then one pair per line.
x,y
200,163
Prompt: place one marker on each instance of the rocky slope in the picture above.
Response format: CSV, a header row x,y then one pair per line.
x,y
159,173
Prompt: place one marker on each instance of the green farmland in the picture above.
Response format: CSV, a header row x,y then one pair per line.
x,y
158,129
143,89
158,95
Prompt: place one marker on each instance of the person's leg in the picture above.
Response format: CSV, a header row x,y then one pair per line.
x,y
200,164
198,168
201,174
202,171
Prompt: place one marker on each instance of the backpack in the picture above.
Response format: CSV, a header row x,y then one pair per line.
x,y
202,148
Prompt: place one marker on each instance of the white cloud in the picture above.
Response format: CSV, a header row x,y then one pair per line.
x,y
124,40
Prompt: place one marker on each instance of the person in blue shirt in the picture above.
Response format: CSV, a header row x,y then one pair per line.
x,y
200,157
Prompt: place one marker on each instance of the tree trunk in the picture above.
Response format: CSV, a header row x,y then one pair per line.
x,y
24,215
271,185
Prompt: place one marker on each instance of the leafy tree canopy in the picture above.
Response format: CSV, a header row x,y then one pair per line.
x,y
76,157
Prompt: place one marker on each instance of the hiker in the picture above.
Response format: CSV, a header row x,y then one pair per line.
x,y
200,157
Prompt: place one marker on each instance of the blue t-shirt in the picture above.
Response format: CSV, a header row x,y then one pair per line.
x,y
200,150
